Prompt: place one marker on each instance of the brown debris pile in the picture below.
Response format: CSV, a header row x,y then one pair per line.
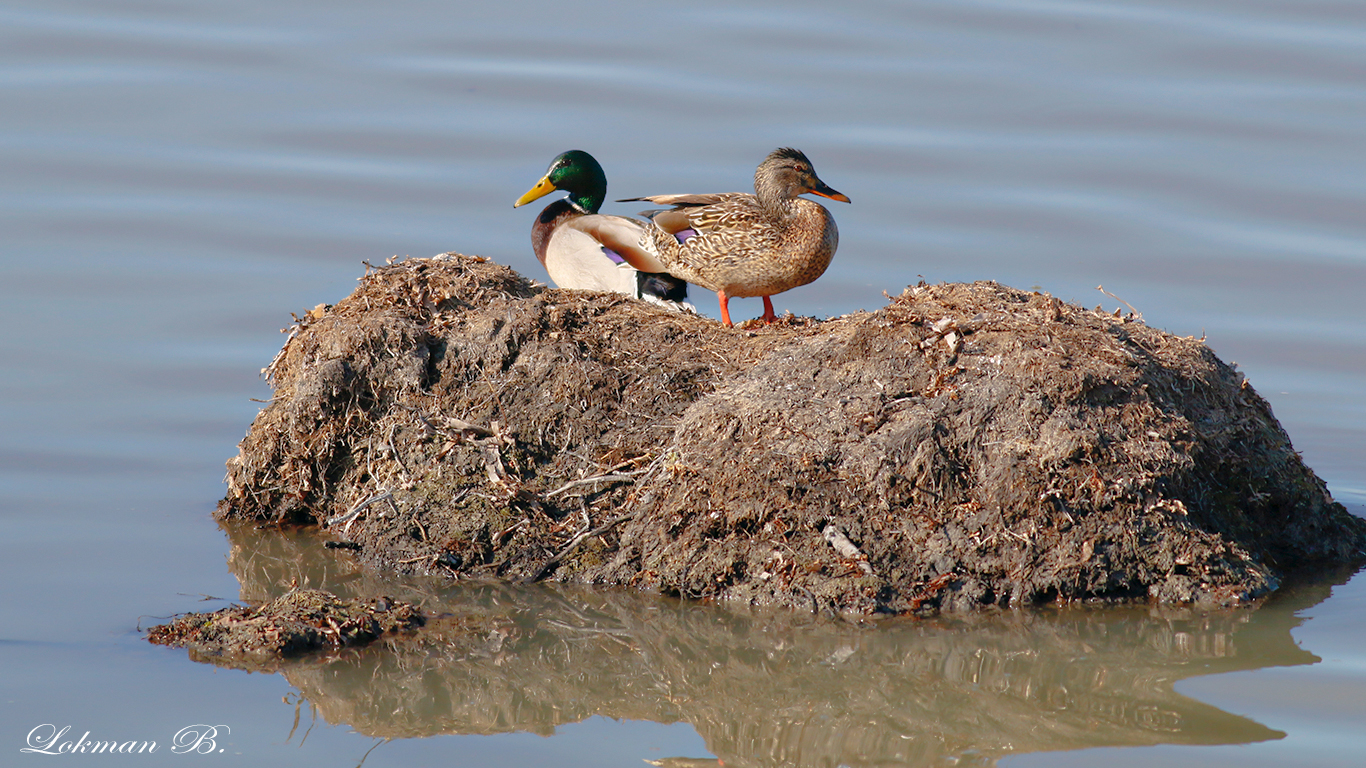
x,y
965,445
298,622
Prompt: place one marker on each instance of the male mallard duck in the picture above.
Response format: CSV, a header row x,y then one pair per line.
x,y
739,244
580,247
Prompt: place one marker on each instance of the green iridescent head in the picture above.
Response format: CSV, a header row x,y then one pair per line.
x,y
577,173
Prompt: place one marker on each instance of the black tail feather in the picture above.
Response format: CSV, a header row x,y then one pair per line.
x,y
661,285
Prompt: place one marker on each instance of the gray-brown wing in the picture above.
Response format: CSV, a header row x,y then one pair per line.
x,y
682,200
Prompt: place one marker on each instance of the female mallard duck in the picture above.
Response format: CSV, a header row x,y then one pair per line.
x,y
739,244
580,247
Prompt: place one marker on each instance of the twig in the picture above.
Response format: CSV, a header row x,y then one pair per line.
x,y
589,630
575,542
846,548
462,426
1136,313
349,517
650,469
493,461
498,540
640,475
402,468
615,478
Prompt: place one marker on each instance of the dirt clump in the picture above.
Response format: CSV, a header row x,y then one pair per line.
x,y
963,446
299,622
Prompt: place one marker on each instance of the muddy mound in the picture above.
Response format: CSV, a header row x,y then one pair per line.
x,y
965,445
296,623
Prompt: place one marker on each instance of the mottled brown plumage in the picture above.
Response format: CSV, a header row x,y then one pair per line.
x,y
739,244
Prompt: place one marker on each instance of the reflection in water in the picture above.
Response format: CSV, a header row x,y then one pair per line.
x,y
768,689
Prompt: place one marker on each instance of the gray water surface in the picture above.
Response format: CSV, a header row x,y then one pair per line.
x,y
176,177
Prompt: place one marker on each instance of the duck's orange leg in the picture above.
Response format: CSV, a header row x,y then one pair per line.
x,y
768,316
725,308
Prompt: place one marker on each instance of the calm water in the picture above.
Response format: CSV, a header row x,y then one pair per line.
x,y
176,177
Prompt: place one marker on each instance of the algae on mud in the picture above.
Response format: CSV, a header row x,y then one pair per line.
x,y
975,444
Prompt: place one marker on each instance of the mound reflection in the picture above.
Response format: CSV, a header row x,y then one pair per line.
x,y
768,689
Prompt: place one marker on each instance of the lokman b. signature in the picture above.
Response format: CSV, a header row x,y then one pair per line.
x,y
198,739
